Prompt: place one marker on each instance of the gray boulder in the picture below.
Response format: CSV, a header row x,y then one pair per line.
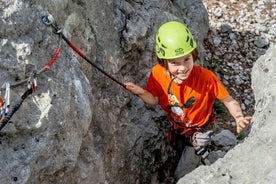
x,y
252,161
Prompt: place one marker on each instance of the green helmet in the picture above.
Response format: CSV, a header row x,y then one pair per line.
x,y
174,40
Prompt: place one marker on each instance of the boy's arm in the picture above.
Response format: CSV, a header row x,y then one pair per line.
x,y
146,96
235,110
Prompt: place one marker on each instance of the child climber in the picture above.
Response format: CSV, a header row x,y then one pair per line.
x,y
186,92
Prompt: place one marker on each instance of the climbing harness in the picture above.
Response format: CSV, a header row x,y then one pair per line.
x,y
176,108
31,87
49,20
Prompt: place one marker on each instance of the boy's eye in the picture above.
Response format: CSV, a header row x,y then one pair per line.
x,y
174,63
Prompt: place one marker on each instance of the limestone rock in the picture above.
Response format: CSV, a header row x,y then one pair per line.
x,y
252,161
80,126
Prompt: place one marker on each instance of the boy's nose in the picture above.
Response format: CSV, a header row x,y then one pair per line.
x,y
182,66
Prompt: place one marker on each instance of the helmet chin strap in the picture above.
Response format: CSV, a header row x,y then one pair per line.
x,y
175,79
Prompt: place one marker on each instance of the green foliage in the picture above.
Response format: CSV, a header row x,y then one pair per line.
x,y
241,136
211,66
219,108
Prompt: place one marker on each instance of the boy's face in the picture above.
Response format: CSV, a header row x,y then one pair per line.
x,y
181,67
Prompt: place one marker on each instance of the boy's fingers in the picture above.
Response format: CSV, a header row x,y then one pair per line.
x,y
239,130
243,123
248,118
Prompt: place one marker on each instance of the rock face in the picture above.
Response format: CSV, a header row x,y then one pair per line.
x,y
252,161
79,126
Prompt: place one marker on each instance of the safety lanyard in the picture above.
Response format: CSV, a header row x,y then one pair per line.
x,y
31,87
49,21
173,101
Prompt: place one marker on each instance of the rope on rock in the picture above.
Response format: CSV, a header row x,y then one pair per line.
x,y
6,115
50,21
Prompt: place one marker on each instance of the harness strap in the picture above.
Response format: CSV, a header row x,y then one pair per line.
x,y
190,130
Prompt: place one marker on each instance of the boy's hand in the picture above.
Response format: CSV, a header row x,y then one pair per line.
x,y
133,88
242,123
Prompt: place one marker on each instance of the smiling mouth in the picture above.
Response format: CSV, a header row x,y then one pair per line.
x,y
179,77
183,73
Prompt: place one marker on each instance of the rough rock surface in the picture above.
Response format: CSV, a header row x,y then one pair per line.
x,y
79,126
252,161
240,32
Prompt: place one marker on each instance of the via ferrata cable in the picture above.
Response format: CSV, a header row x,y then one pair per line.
x,y
49,21
31,87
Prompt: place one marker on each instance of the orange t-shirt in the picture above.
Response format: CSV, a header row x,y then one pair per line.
x,y
201,89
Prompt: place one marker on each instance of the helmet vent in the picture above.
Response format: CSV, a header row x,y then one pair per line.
x,y
192,43
187,31
188,38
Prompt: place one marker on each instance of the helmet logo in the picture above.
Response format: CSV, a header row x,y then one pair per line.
x,y
161,51
179,51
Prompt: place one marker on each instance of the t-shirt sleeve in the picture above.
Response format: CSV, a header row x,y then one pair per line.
x,y
218,88
152,85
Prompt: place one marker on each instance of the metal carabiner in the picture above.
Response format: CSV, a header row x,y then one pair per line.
x,y
32,82
6,101
49,20
7,97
